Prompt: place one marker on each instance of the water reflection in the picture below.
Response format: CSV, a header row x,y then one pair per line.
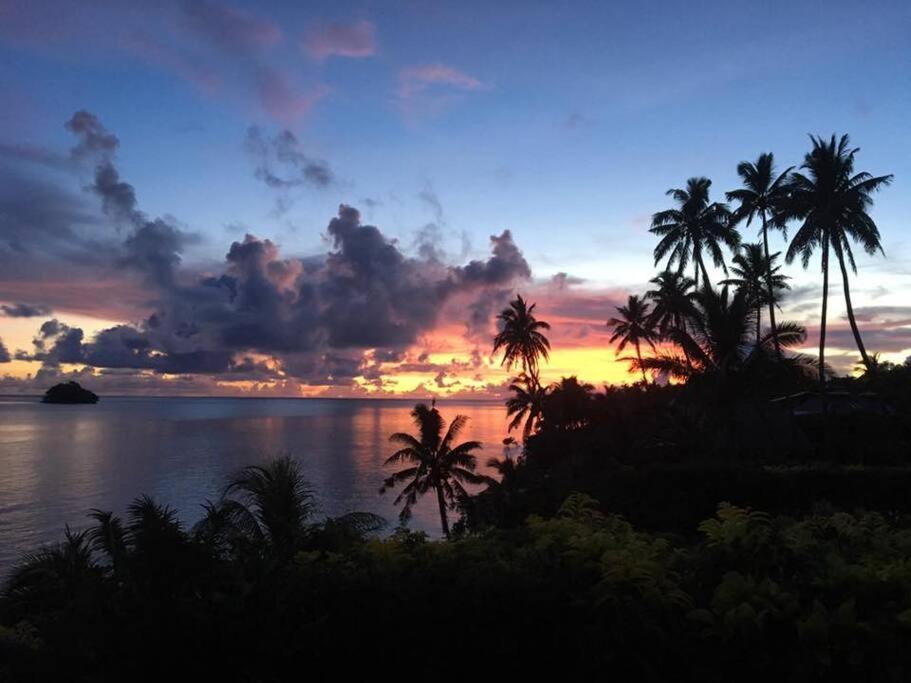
x,y
58,462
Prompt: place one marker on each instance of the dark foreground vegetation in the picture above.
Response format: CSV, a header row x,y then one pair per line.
x,y
603,547
258,589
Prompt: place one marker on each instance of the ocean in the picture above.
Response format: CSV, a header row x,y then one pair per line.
x,y
58,462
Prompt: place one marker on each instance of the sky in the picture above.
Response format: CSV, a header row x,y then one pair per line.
x,y
337,198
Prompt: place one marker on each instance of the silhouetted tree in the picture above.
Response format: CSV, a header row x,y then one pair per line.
x,y
831,202
696,225
433,462
718,343
673,301
568,404
634,326
752,270
521,338
525,404
762,195
267,506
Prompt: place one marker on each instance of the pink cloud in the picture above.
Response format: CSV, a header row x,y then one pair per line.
x,y
341,40
416,79
279,98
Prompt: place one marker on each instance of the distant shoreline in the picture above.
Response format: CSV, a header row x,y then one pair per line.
x,y
408,400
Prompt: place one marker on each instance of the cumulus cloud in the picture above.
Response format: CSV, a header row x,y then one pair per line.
x,y
21,310
4,353
325,319
356,40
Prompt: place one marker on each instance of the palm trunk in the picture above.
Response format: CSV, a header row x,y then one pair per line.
x,y
444,522
705,273
641,369
822,323
768,263
860,343
758,325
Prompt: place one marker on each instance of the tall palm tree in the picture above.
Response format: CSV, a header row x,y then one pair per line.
x,y
757,276
634,326
526,404
521,337
695,226
762,195
433,463
831,201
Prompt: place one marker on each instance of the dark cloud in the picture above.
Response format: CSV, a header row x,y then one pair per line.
x,y
283,166
94,138
314,319
154,246
21,310
4,353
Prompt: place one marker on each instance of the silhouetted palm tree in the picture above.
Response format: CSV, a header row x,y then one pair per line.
x,y
268,505
831,202
521,337
752,270
695,226
634,326
568,404
525,404
433,463
53,576
718,341
672,300
762,195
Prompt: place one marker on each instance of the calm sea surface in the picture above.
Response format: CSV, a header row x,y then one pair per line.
x,y
58,462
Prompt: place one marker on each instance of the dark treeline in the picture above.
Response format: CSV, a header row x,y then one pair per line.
x,y
738,513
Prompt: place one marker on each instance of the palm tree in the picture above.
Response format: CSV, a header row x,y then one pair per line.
x,y
753,269
634,326
268,505
695,226
526,404
521,338
831,202
433,462
568,404
718,342
672,301
762,195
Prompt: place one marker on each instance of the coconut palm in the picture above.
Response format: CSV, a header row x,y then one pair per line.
x,y
718,341
831,201
762,196
525,404
672,301
695,226
568,404
269,505
752,270
634,326
521,337
433,463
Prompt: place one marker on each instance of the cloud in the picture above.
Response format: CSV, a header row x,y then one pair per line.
x,y
21,310
4,353
283,166
324,320
415,80
230,30
355,40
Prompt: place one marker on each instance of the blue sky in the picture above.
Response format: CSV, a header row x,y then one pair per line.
x,y
564,124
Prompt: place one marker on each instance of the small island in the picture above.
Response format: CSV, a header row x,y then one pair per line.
x,y
69,392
